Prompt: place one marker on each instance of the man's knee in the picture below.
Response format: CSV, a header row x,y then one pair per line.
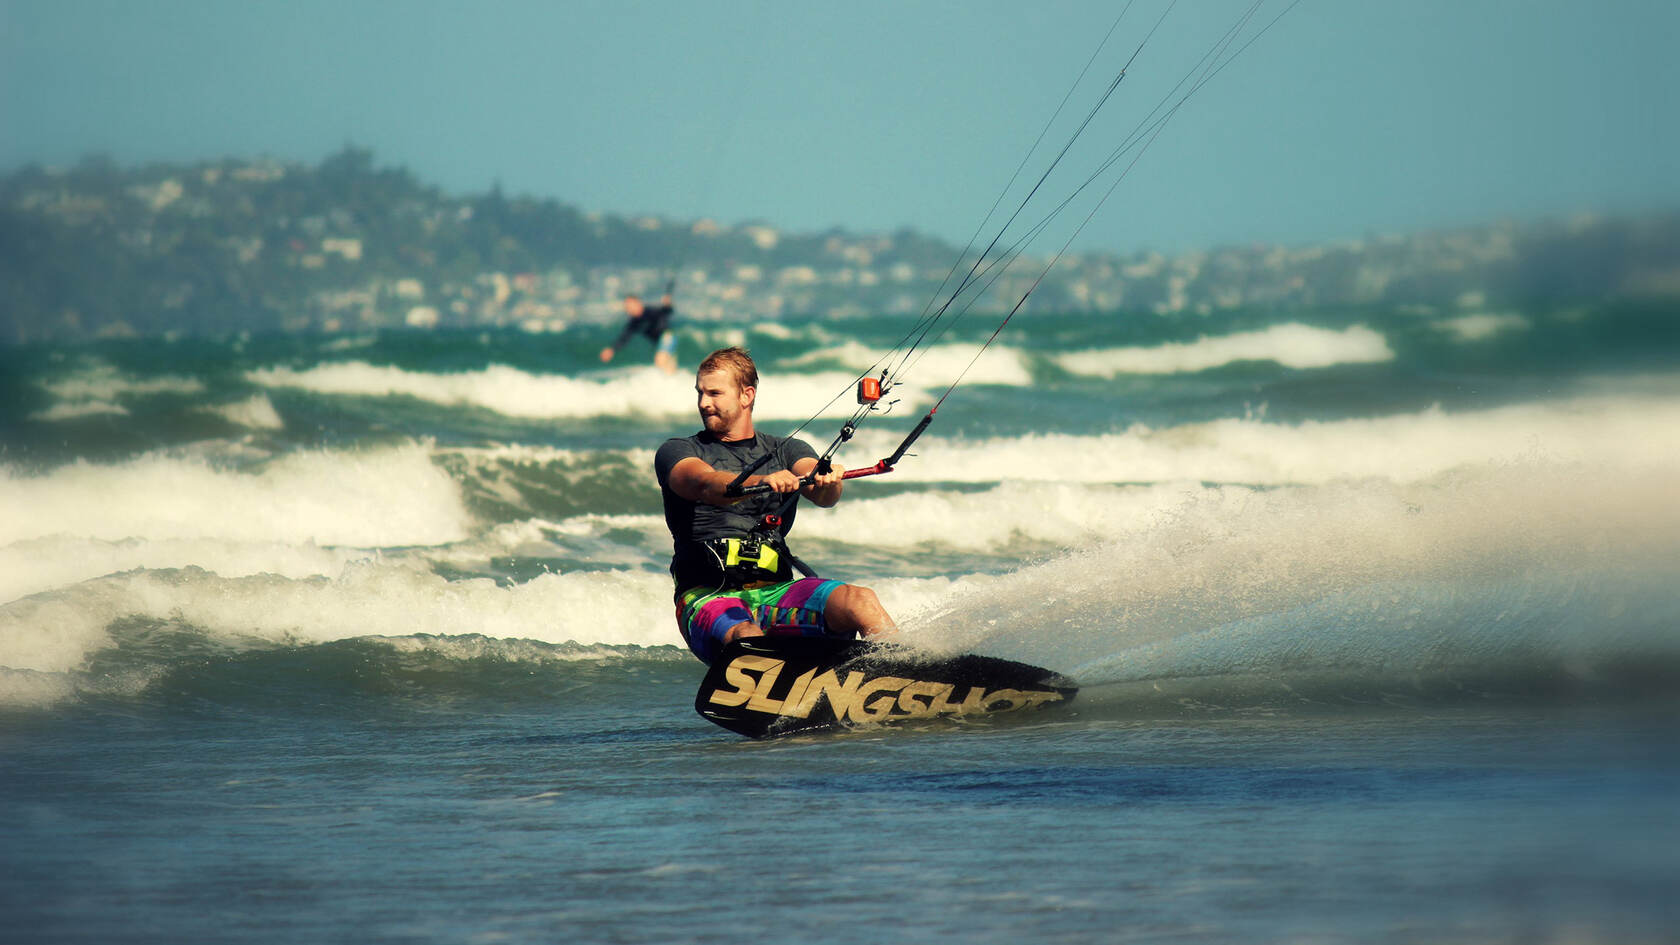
x,y
856,609
850,597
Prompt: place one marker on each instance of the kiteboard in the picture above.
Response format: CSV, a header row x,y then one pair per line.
x,y
766,686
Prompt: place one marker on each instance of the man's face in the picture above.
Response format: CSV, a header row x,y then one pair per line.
x,y
722,404
633,307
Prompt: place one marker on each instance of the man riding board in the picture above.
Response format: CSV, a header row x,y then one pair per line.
x,y
653,322
733,571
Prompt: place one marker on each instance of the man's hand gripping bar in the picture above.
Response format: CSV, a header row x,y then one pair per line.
x,y
883,466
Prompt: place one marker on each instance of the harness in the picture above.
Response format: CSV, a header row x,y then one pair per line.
x,y
751,561
760,558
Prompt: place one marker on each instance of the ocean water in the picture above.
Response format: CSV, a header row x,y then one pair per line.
x,y
369,638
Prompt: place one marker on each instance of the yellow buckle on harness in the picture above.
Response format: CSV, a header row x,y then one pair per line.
x,y
766,558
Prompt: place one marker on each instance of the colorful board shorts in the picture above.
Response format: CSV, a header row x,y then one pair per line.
x,y
792,608
667,342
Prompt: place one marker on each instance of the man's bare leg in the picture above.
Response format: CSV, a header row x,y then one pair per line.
x,y
857,609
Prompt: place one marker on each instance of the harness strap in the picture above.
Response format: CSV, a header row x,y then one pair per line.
x,y
750,552
756,559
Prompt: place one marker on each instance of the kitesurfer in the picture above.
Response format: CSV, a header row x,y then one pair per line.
x,y
652,322
733,571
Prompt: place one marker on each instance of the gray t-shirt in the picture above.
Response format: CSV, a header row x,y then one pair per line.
x,y
694,522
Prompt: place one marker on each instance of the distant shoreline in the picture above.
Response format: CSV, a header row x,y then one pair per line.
x,y
102,250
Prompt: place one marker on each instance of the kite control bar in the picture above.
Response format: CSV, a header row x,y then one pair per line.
x,y
883,466
886,465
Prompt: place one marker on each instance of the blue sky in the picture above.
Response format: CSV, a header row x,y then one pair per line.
x,y
1347,117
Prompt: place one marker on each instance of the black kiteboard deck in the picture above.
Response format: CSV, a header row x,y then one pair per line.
x,y
766,686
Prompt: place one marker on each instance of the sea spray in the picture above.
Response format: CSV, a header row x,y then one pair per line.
x,y
1476,571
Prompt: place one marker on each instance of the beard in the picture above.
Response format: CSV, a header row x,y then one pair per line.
x,y
716,423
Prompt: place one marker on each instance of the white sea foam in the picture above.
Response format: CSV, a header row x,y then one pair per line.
x,y
55,632
1620,431
77,409
255,412
796,397
371,498
350,343
43,564
991,520
99,381
506,390
1292,345
1176,581
784,332
937,366
710,335
636,391
1483,325
1487,570
785,394
1060,488
96,388
1146,566
1387,525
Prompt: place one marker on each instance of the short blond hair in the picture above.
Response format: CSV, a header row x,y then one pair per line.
x,y
734,360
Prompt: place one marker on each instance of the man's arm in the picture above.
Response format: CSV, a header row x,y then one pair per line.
x,y
695,480
619,342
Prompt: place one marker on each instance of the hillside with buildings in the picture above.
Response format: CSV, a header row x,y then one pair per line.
x,y
101,250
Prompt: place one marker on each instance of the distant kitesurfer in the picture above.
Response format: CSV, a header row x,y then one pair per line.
x,y
652,322
733,571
